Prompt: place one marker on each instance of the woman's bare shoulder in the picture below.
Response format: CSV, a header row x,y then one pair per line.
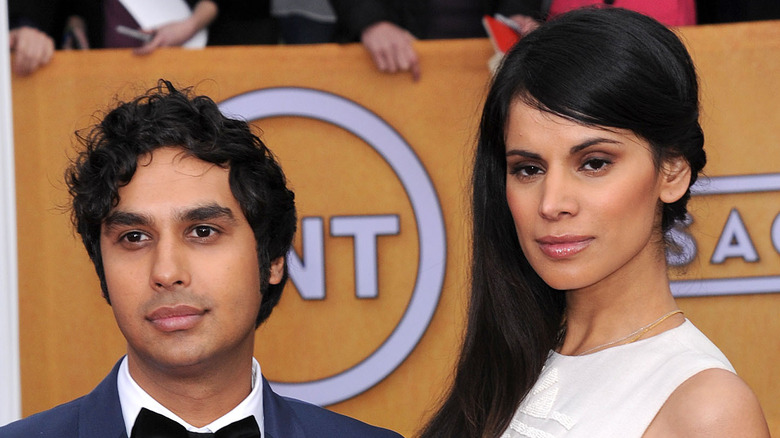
x,y
712,403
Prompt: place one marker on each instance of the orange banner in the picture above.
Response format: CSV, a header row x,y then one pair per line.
x,y
371,323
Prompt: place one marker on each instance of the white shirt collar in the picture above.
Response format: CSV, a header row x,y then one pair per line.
x,y
132,398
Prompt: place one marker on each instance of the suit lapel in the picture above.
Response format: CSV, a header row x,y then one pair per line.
x,y
279,418
100,414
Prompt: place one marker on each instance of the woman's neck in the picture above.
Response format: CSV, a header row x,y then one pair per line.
x,y
617,307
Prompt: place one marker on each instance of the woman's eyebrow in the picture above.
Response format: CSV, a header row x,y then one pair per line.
x,y
573,150
591,142
523,153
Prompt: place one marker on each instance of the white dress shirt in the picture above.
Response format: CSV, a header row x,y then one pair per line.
x,y
132,398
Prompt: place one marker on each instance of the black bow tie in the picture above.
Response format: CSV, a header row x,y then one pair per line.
x,y
150,424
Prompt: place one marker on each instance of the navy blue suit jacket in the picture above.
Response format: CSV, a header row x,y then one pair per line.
x,y
98,415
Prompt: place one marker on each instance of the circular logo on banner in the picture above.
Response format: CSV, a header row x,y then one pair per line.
x,y
348,115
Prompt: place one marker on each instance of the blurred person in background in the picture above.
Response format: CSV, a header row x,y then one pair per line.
x,y
41,26
304,21
387,29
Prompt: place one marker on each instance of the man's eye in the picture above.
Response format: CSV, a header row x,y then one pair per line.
x,y
135,236
203,231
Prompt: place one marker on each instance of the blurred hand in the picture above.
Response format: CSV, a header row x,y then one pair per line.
x,y
179,32
526,23
391,48
32,49
167,35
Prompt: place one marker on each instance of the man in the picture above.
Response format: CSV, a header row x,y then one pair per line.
x,y
187,218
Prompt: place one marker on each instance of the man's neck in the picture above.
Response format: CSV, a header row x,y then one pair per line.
x,y
198,394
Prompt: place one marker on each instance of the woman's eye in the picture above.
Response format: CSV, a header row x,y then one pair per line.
x,y
531,170
526,170
595,164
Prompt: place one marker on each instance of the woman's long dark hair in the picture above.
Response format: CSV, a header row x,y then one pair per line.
x,y
599,67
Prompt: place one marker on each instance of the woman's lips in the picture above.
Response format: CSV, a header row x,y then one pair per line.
x,y
561,247
171,319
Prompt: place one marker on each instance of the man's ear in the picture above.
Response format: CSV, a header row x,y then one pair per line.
x,y
675,178
277,271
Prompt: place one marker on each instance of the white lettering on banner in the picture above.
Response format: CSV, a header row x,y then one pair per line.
x,y
309,274
736,184
776,233
734,241
365,230
336,110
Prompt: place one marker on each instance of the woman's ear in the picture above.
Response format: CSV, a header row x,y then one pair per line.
x,y
277,271
675,179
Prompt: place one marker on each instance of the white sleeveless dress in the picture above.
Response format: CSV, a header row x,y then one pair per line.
x,y
614,392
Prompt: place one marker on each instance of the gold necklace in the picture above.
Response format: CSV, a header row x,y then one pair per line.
x,y
633,336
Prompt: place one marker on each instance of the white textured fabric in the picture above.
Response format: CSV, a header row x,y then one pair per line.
x,y
614,392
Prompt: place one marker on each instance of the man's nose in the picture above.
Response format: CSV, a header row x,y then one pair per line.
x,y
169,268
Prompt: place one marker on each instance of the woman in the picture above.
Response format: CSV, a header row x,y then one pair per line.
x,y
589,143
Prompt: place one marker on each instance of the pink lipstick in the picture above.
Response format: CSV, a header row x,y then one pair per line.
x,y
561,247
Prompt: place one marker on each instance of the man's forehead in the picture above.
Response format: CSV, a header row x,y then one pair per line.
x,y
177,159
169,180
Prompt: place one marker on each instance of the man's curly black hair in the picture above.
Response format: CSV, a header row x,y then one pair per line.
x,y
165,116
